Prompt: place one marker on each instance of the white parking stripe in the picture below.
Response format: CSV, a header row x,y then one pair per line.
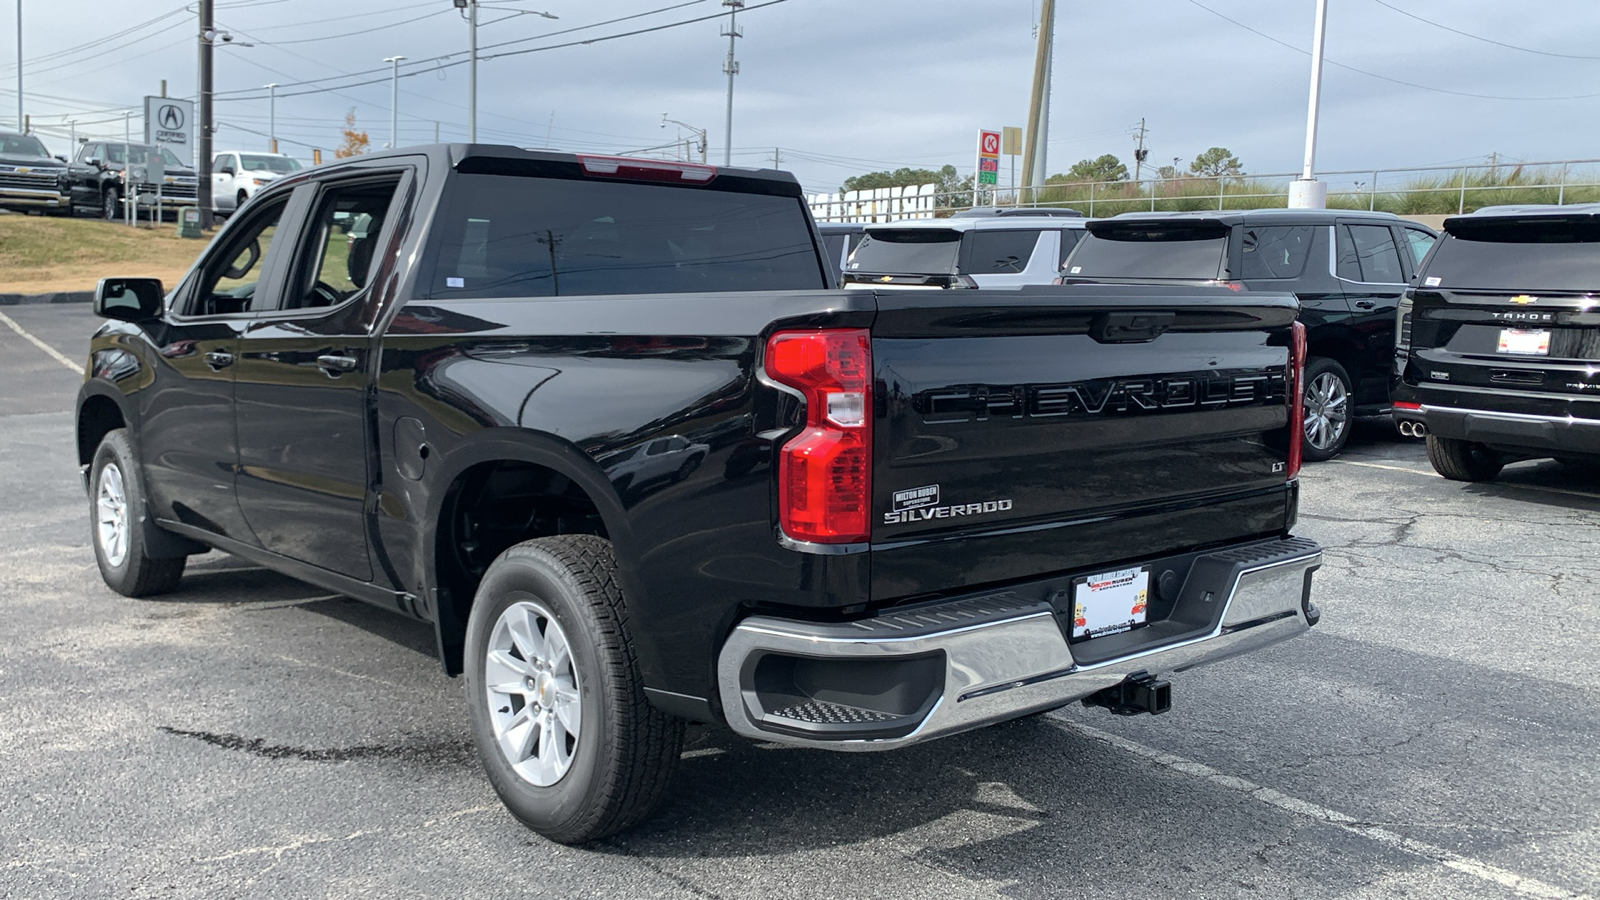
x,y
54,353
1528,887
1505,484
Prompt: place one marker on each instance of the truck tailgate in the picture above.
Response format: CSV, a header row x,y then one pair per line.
x,y
1021,433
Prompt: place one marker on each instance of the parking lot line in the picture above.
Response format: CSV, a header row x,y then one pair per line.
x,y
1521,884
1505,484
54,353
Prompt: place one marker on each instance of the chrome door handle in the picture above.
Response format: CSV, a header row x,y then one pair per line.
x,y
217,359
1366,304
334,364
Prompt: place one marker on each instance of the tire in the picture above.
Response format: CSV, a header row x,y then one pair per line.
x,y
111,205
116,517
1327,401
1463,460
570,784
240,200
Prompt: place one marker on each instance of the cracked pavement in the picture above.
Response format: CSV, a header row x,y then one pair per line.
x,y
1434,737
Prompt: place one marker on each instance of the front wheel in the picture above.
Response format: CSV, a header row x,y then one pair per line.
x,y
116,510
111,205
1327,408
1463,460
556,703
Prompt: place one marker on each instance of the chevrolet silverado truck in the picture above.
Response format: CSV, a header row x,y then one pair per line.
x,y
886,516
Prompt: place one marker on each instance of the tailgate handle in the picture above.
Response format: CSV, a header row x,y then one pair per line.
x,y
1130,327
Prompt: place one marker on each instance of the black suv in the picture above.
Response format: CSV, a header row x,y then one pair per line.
x,y
1349,269
1499,352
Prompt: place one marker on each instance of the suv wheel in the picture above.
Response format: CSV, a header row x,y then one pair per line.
x,y
116,515
555,700
239,200
1463,460
1327,406
111,205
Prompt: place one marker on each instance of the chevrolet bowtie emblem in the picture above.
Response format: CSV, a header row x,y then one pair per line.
x,y
1524,299
886,278
23,170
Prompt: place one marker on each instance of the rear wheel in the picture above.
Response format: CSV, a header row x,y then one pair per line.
x,y
1327,407
116,510
556,704
1463,460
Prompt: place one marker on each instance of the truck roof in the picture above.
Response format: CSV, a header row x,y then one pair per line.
x,y
1272,216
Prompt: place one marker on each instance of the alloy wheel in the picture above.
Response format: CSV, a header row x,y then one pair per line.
x,y
1327,411
111,515
532,687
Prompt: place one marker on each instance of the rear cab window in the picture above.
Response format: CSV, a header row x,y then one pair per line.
x,y
908,251
533,236
1156,250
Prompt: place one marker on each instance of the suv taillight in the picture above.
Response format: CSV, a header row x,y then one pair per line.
x,y
825,471
1297,397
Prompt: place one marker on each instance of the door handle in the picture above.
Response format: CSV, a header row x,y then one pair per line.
x,y
217,359
1366,304
334,364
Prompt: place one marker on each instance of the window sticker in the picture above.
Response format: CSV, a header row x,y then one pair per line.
x,y
1077,269
455,282
1431,281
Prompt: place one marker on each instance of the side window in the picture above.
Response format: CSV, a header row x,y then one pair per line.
x,y
996,252
88,152
1347,267
343,235
1380,261
220,161
1069,239
1276,252
1420,242
230,276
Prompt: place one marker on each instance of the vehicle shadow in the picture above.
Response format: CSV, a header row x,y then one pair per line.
x,y
1545,482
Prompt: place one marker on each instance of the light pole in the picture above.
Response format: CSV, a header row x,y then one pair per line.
x,y
272,117
20,119
471,7
394,101
1307,192
699,131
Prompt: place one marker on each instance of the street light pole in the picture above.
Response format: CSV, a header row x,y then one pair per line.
x,y
472,74
1307,192
394,101
731,66
20,119
699,131
202,163
272,117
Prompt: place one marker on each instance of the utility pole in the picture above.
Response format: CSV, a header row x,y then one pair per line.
x,y
472,73
272,117
777,157
21,125
202,163
731,67
1307,192
1139,154
1033,153
394,101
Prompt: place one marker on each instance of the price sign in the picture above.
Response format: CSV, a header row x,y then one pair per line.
x,y
988,157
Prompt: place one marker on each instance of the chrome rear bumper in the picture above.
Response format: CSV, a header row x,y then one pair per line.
x,y
909,676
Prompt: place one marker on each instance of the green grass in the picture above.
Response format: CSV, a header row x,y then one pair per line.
x,y
39,254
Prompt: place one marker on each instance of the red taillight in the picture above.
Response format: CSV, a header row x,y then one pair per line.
x,y
645,169
825,472
1297,398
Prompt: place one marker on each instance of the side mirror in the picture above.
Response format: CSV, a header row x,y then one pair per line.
x,y
62,158
94,161
225,170
128,299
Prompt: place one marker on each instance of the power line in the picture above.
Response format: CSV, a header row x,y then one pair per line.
x,y
1480,37
1409,84
57,54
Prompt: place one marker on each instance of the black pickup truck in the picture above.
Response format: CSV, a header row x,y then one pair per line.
x,y
608,425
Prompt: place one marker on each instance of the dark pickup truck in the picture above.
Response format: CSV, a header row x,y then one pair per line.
x,y
607,424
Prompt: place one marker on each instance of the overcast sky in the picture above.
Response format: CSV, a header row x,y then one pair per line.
x,y
843,87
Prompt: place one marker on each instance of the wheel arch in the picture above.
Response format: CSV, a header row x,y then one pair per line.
x,y
1343,348
573,486
100,411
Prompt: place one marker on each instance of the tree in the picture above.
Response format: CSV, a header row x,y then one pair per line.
x,y
1215,162
355,142
945,178
1105,168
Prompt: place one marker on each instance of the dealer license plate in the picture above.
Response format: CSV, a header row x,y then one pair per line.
x,y
1525,341
1109,603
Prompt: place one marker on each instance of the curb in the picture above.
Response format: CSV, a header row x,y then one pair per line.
x,y
52,297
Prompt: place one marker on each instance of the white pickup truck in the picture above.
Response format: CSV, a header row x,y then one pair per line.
x,y
237,175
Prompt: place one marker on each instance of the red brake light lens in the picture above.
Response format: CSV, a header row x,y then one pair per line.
x,y
825,472
1297,398
645,169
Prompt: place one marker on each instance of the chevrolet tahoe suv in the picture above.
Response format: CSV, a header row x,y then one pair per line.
x,y
1499,351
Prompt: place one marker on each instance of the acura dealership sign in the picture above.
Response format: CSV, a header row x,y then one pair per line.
x,y
170,123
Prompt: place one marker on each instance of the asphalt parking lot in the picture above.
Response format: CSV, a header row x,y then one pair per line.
x,y
1436,736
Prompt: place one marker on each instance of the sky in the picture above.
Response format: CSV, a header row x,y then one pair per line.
x,y
837,88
